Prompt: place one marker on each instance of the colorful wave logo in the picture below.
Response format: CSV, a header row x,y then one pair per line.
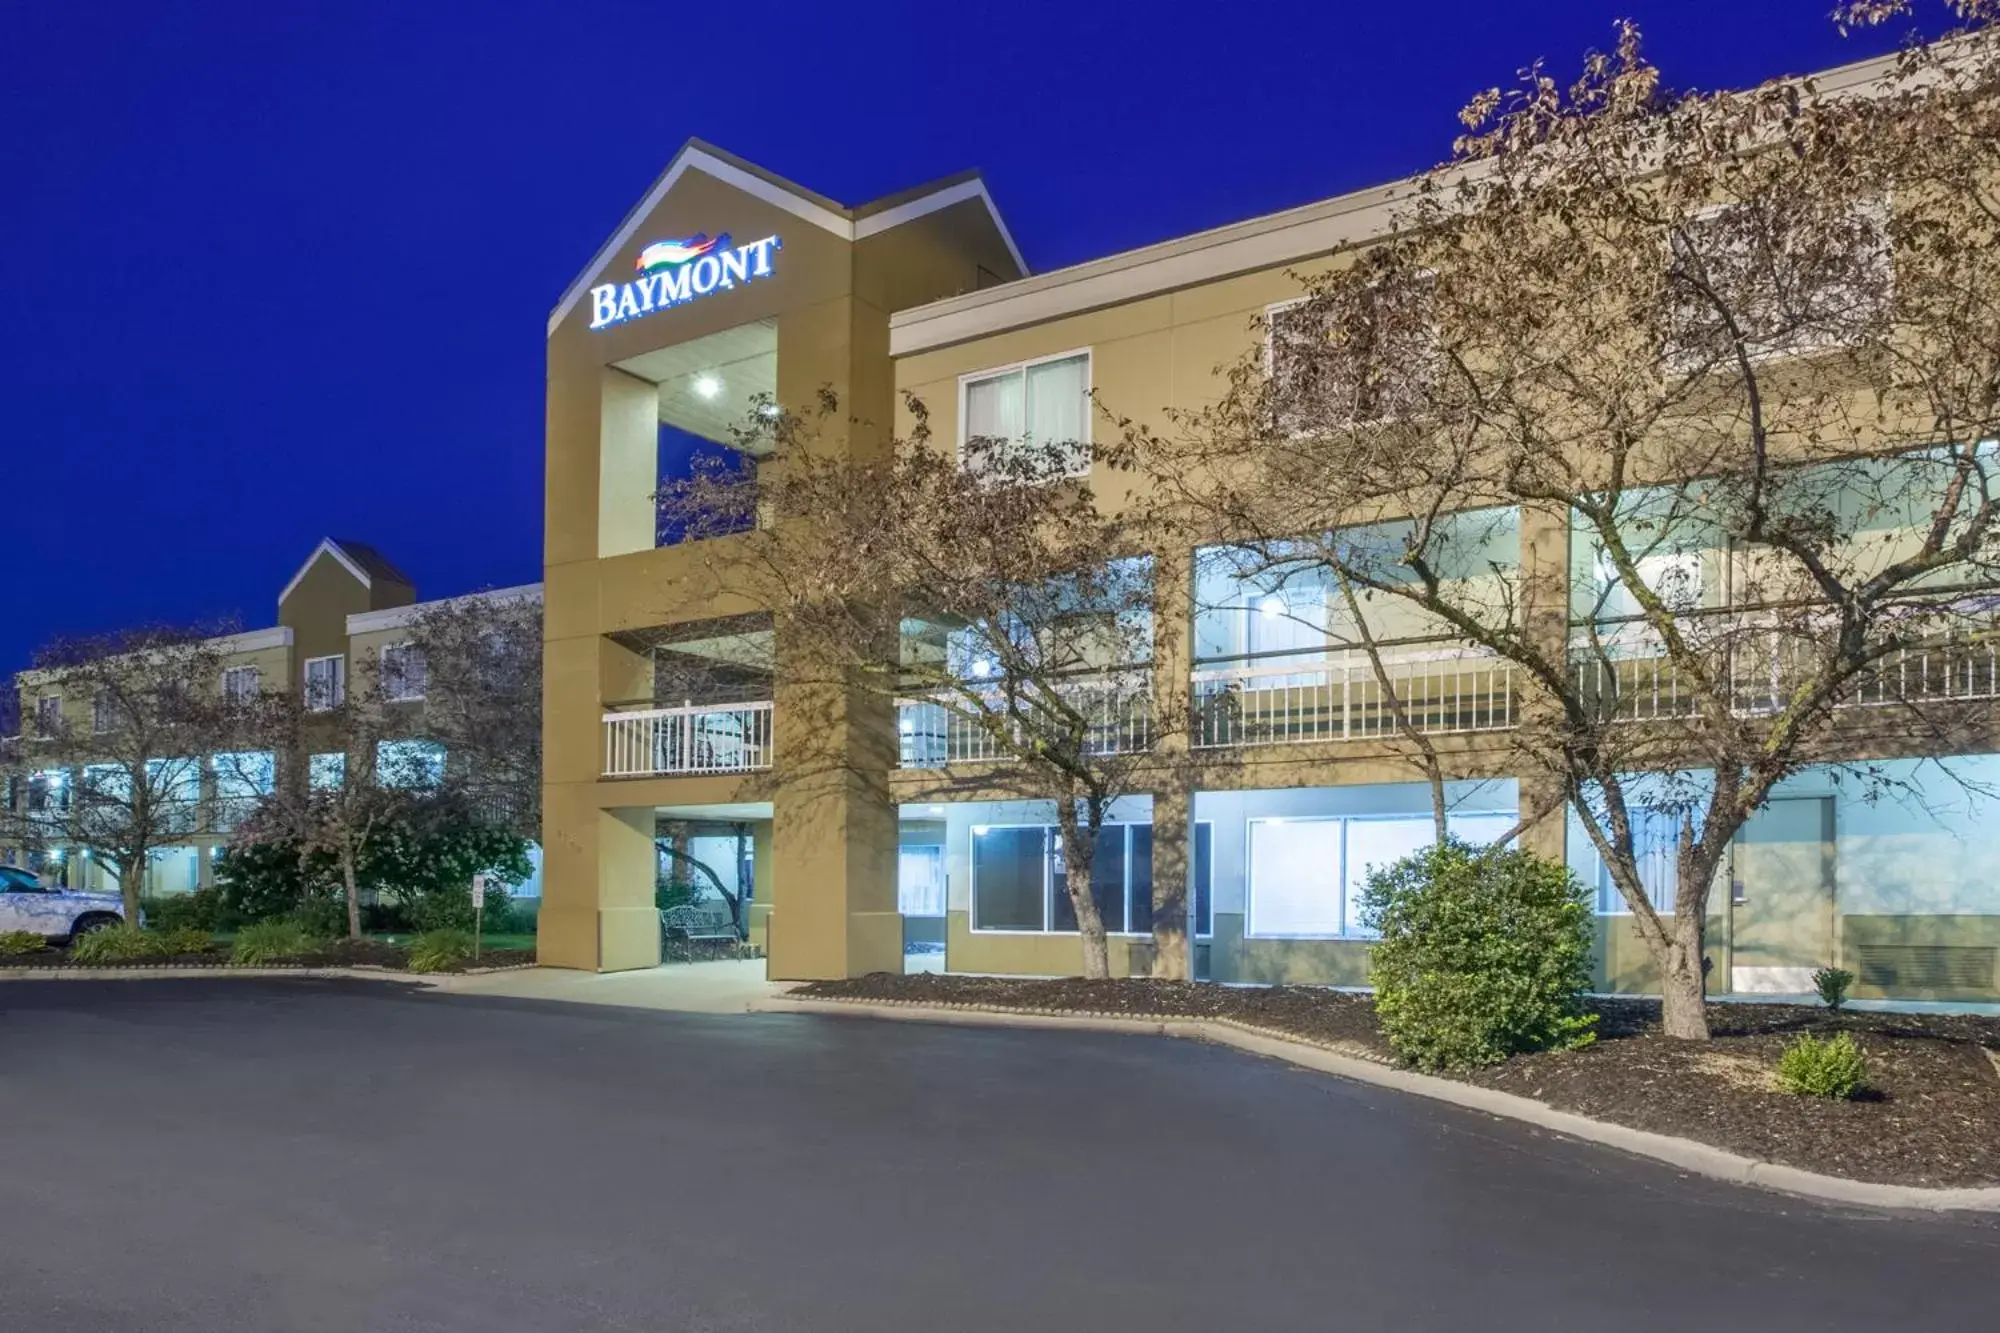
x,y
668,254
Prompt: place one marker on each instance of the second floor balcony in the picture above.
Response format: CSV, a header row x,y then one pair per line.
x,y
1113,716
1299,698
1633,678
644,740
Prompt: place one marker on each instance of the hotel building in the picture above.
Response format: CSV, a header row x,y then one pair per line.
x,y
726,283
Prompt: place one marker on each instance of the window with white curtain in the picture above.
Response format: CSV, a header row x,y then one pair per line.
x,y
1291,619
405,674
1035,406
1308,876
1377,844
240,684
1295,877
920,881
326,682
1656,838
1675,577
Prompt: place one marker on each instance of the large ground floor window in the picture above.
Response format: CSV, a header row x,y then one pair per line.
x,y
1019,881
1307,874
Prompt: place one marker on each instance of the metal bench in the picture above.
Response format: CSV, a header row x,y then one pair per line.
x,y
709,920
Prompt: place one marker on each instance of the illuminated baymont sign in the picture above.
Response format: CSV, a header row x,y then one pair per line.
x,y
672,273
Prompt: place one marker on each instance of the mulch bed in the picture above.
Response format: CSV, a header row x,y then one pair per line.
x,y
341,953
1929,1116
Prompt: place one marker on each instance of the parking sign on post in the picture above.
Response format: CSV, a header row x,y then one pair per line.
x,y
478,910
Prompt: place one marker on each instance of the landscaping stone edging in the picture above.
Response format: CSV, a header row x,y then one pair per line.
x,y
1687,1154
144,973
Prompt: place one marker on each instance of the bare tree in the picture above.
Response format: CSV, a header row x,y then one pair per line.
x,y
119,740
482,659
353,773
1672,408
991,604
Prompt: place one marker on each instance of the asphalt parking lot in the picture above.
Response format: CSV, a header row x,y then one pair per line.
x,y
236,1154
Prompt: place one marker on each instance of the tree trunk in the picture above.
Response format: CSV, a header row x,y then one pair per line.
x,y
1079,849
1173,887
353,893
129,883
1683,1008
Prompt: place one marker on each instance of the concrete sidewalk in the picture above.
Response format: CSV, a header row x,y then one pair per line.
x,y
697,988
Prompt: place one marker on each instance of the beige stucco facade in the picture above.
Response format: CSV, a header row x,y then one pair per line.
x,y
915,308
342,607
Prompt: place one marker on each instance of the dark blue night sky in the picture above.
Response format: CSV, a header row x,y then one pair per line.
x,y
269,272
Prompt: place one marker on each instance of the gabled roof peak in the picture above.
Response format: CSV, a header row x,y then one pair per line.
x,y
850,224
368,565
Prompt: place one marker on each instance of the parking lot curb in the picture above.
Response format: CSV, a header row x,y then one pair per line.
x,y
431,979
1688,1155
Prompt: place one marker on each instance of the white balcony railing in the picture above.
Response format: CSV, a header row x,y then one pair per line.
x,y
693,739
1118,719
1296,702
1638,684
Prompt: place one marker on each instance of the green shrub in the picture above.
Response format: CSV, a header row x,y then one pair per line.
x,y
184,940
323,916
1483,954
1832,984
439,950
200,910
671,893
18,943
1823,1067
256,881
452,910
425,863
116,944
276,940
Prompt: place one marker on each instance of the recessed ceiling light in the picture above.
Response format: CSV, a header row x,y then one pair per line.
x,y
707,385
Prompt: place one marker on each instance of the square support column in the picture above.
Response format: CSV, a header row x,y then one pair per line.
x,y
833,882
1545,593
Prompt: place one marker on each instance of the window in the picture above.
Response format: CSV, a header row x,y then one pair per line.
x,y
1362,355
1019,882
1010,878
1675,577
103,785
244,776
1656,840
326,772
176,783
920,881
1108,884
1204,898
326,683
1787,284
1308,876
404,672
1010,419
413,764
240,685
48,792
1290,620
48,715
1294,877
103,712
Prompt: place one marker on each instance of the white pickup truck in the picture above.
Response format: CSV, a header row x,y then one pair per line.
x,y
26,903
